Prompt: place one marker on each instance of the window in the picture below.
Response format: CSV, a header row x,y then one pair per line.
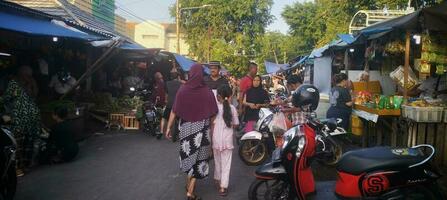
x,y
150,37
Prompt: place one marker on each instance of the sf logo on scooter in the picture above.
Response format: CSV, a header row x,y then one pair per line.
x,y
375,184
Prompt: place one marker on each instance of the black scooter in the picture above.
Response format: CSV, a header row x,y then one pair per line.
x,y
370,173
8,179
151,114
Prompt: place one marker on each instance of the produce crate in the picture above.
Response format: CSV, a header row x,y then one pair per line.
x,y
131,123
116,118
423,114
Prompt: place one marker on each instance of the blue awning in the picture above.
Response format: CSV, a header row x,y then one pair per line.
x,y
132,46
348,38
184,62
40,26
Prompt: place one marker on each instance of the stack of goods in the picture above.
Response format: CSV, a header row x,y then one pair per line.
x,y
421,110
434,52
377,101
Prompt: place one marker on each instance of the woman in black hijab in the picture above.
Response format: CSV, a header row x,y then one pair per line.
x,y
255,98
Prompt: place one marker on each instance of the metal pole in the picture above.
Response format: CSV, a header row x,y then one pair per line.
x,y
407,63
178,25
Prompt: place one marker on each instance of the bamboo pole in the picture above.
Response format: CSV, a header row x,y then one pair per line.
x,y
407,63
94,67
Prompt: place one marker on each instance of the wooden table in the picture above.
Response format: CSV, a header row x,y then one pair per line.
x,y
387,118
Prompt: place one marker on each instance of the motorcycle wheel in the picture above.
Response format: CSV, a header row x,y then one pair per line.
x,y
269,190
253,152
9,190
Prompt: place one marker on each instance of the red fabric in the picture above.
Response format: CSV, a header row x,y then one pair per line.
x,y
347,185
245,84
195,101
159,95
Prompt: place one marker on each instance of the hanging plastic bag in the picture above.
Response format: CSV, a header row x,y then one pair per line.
x,y
278,124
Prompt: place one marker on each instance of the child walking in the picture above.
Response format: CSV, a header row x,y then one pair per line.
x,y
222,138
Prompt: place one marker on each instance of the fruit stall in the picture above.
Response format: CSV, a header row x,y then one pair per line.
x,y
411,50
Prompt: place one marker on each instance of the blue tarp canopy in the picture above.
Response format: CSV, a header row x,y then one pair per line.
x,y
184,62
347,38
272,68
301,61
131,46
431,18
40,26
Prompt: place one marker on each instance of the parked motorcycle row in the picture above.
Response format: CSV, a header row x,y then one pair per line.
x,y
8,145
369,173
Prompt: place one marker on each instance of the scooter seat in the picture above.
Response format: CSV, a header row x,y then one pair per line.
x,y
371,159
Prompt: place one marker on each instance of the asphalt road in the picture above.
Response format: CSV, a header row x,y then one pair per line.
x,y
131,166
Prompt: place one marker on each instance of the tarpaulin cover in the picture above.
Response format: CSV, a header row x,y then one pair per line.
x,y
39,26
301,61
432,18
348,38
271,68
131,46
184,62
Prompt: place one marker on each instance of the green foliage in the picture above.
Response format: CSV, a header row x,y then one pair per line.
x,y
317,23
227,31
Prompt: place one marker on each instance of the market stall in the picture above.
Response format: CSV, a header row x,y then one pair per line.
x,y
412,50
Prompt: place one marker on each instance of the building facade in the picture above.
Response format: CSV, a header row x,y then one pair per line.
x,y
98,14
152,34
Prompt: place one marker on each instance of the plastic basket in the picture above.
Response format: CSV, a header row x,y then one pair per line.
x,y
423,114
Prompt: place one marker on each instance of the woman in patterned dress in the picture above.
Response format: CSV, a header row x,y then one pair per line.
x,y
195,105
25,123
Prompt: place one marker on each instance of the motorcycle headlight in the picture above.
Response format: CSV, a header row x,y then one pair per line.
x,y
288,136
264,124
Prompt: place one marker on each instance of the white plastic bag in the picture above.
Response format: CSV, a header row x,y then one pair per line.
x,y
278,124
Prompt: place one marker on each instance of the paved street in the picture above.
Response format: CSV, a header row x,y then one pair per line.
x,y
127,166
124,166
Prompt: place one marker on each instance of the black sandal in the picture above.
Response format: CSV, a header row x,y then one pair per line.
x,y
193,197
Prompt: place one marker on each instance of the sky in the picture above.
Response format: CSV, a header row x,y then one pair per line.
x,y
157,10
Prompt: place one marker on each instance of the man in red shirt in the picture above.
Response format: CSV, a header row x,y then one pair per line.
x,y
246,83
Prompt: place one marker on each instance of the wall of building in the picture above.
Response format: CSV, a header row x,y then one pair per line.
x,y
120,25
104,10
84,5
151,34
130,29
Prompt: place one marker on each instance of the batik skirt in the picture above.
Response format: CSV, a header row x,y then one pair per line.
x,y
195,148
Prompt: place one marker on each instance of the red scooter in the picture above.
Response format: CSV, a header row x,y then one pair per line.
x,y
371,173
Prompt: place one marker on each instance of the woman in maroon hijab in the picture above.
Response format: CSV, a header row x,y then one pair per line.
x,y
195,105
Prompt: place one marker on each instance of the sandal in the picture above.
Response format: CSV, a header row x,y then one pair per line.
x,y
223,192
193,197
19,173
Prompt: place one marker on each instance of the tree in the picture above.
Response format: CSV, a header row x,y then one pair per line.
x,y
227,31
319,22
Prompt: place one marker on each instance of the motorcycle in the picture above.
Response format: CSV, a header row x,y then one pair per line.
x,y
370,173
256,146
151,114
8,179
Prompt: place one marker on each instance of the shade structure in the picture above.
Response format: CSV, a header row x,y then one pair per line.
x,y
184,62
40,26
272,68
